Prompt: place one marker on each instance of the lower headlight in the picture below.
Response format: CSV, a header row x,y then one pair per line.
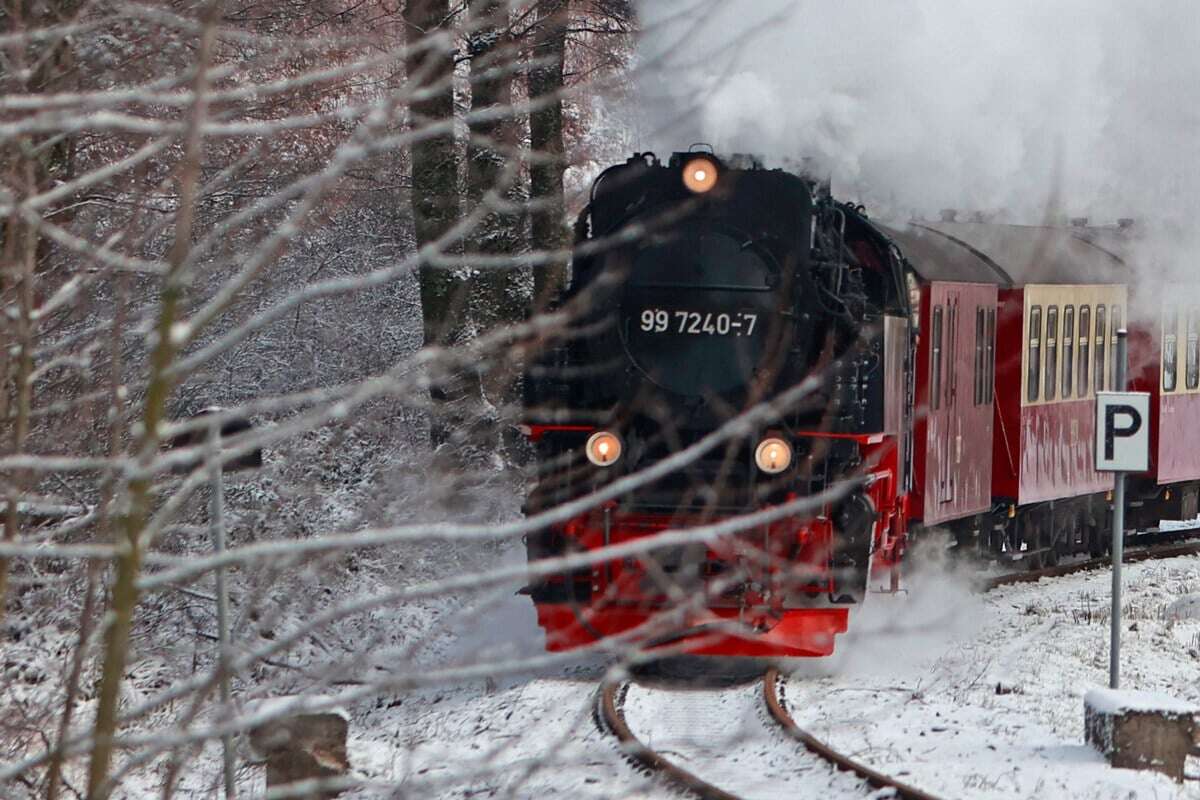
x,y
603,448
773,455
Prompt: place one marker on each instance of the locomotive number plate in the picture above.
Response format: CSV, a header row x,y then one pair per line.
x,y
700,323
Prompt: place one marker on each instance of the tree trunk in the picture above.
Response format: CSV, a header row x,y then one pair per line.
x,y
492,167
434,164
42,68
548,228
499,294
435,205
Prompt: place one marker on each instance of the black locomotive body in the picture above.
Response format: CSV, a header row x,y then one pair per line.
x,y
702,289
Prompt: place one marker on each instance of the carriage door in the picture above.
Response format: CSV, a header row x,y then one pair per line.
x,y
958,460
952,421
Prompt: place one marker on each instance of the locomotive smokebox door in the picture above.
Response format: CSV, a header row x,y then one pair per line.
x,y
697,310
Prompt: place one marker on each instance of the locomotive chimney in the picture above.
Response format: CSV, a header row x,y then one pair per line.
x,y
809,169
948,214
744,161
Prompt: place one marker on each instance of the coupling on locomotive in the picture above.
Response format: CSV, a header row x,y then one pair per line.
x,y
764,395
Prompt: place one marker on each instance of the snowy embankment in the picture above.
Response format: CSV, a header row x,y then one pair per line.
x,y
964,695
982,696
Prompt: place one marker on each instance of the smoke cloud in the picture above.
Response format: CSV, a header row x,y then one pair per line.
x,y
1070,108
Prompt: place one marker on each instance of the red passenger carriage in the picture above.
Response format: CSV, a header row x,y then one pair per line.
x,y
1059,296
1165,361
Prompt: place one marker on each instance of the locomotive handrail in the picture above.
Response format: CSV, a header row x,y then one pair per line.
x,y
723,287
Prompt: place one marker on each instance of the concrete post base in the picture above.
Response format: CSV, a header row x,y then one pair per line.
x,y
1140,730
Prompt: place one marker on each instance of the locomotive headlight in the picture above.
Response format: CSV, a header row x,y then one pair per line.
x,y
773,455
700,175
603,448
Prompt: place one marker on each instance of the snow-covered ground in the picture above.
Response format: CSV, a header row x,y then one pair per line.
x,y
725,736
965,695
991,705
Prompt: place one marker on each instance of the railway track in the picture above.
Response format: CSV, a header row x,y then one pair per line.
x,y
725,760
1177,543
712,755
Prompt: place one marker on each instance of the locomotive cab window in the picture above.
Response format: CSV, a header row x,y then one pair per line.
x,y
1051,352
1035,354
1170,356
937,358
1068,351
1085,338
1115,326
1098,378
1193,349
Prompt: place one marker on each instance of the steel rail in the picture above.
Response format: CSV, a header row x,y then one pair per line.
x,y
1146,553
611,714
814,745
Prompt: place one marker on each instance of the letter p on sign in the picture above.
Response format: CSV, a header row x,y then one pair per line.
x,y
1122,431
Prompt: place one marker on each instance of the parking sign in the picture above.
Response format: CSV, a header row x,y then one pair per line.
x,y
1122,431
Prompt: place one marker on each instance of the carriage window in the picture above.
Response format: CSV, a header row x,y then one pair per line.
x,y
1068,350
979,349
937,357
1170,354
1085,338
1115,319
1051,351
990,356
1193,349
1098,378
1035,353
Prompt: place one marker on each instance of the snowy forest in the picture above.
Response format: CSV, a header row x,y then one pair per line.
x,y
332,220
271,272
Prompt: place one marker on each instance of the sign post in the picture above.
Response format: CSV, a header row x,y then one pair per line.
x,y
216,523
1122,445
211,437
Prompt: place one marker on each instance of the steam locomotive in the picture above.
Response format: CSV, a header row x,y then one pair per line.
x,y
763,394
710,287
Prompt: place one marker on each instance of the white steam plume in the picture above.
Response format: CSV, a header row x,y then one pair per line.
x,y
1070,107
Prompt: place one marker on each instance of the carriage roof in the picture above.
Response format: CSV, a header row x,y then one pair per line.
x,y
1013,255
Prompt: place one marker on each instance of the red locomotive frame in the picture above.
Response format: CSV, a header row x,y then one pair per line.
x,y
623,600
